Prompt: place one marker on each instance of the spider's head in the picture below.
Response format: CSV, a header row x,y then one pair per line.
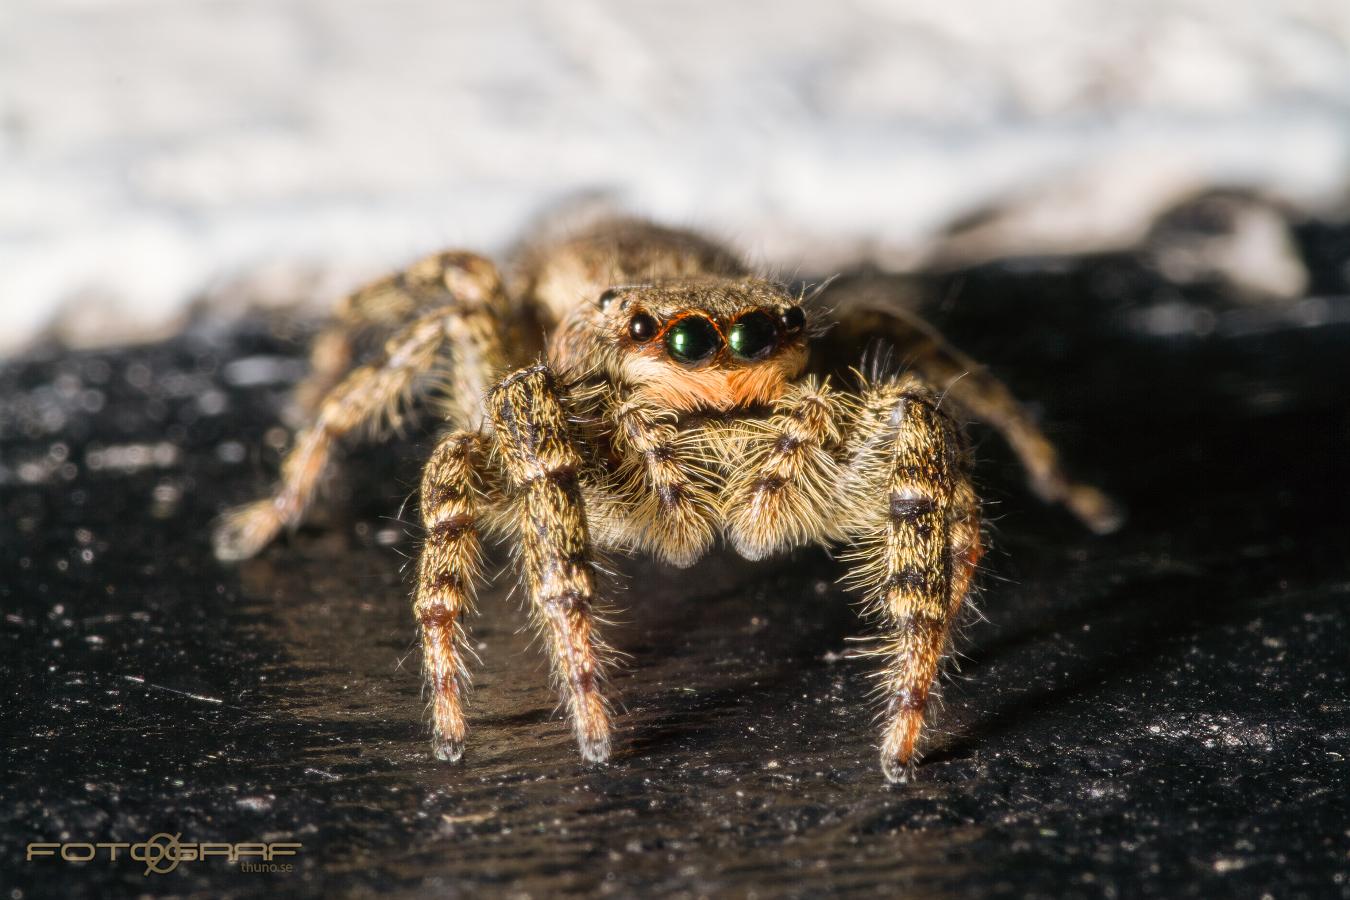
x,y
702,343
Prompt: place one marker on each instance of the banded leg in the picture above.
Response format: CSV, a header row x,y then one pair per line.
x,y
387,304
917,549
672,510
372,395
542,466
381,306
958,377
790,475
447,574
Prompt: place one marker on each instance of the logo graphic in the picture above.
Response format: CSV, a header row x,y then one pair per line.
x,y
153,860
162,853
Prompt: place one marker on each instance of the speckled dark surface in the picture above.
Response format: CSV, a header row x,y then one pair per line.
x,y
1161,713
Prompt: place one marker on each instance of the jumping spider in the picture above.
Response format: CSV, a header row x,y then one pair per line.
x,y
677,403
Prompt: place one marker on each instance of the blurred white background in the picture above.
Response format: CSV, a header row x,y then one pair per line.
x,y
157,151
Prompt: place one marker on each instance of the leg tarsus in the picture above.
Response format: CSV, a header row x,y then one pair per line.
x,y
1093,508
899,759
447,749
243,532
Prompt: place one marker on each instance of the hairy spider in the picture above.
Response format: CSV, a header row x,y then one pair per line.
x,y
677,401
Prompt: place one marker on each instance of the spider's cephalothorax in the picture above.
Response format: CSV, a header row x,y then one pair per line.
x,y
677,402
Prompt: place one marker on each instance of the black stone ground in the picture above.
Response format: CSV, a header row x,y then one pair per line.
x,y
1162,712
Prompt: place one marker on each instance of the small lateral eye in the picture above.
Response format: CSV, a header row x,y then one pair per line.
x,y
608,297
642,328
793,318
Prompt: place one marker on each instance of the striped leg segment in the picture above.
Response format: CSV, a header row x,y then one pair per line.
x,y
542,466
917,550
447,572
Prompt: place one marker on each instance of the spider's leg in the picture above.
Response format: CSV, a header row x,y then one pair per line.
x,y
447,572
542,464
781,494
381,306
968,384
387,304
915,522
663,483
371,395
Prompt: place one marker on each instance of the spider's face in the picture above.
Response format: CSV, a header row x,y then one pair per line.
x,y
710,344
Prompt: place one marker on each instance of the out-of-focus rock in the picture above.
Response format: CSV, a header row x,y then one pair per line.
x,y
1243,242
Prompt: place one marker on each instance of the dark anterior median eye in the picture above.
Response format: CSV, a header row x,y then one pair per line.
x,y
692,339
753,335
642,327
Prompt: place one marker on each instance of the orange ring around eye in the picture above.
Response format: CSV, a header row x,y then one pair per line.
x,y
693,338
687,314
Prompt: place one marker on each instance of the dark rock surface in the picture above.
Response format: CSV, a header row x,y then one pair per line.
x,y
1162,712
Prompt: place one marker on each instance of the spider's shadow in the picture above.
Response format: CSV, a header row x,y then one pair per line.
x,y
754,633
1116,640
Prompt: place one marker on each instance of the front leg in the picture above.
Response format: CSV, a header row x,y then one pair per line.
x,y
915,521
542,465
447,572
778,496
663,483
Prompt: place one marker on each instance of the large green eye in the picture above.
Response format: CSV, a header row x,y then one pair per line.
x,y
692,339
753,335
